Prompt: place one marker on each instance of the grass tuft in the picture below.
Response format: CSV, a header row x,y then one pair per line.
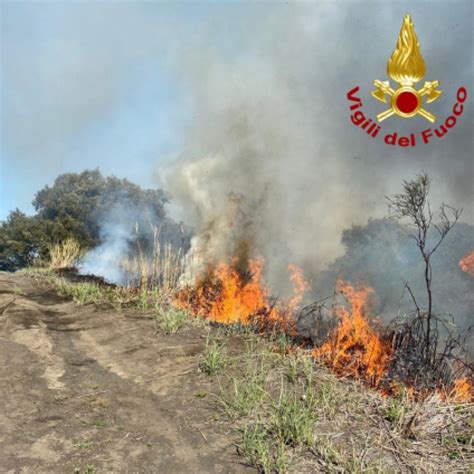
x,y
294,419
213,359
65,254
170,321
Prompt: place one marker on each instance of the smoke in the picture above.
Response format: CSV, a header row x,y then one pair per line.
x,y
381,255
267,159
272,129
116,233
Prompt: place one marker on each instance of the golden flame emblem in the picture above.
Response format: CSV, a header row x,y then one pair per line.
x,y
407,67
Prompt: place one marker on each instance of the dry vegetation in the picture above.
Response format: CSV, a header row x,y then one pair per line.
x,y
292,415
159,269
296,416
64,254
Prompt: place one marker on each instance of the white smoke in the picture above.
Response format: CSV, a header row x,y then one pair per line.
x,y
116,232
272,128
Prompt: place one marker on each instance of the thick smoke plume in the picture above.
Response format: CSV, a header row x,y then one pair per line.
x,y
273,133
273,165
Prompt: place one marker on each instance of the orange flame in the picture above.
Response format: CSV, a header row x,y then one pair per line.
x,y
467,263
355,348
461,392
226,296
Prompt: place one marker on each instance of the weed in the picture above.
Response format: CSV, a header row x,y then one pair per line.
x,y
247,394
323,449
89,469
281,460
394,411
238,329
255,447
213,359
83,444
292,368
81,293
261,450
294,419
307,366
170,321
64,254
282,342
142,303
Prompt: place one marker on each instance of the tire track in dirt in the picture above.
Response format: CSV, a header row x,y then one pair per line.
x,y
93,386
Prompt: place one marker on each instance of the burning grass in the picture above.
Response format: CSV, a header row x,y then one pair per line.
x,y
356,347
466,264
227,296
290,412
292,415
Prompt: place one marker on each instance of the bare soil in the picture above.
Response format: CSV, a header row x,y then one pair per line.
x,y
94,386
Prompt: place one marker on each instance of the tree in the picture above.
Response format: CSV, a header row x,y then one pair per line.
x,y
81,201
413,206
22,239
76,206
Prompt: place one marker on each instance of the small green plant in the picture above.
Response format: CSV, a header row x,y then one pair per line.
x,y
238,329
294,419
89,469
292,368
83,444
142,303
282,342
324,450
261,450
213,359
280,459
394,411
255,447
170,321
81,293
247,394
18,291
307,366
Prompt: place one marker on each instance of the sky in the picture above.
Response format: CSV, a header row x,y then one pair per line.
x,y
123,86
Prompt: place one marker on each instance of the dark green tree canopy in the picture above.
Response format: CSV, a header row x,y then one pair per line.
x,y
80,201
74,206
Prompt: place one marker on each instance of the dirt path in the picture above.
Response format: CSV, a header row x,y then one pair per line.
x,y
90,386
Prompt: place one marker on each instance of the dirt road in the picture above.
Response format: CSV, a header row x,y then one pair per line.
x,y
98,390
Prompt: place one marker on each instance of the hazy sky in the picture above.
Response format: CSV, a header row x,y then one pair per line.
x,y
107,84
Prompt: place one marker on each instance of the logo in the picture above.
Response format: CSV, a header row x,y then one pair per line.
x,y
407,67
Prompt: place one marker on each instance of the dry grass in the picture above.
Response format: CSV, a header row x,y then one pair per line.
x,y
64,254
295,416
159,269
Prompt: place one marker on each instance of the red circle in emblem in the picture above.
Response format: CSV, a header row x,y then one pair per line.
x,y
407,102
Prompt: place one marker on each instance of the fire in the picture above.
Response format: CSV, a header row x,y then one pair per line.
x,y
227,296
234,292
354,347
462,391
467,263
